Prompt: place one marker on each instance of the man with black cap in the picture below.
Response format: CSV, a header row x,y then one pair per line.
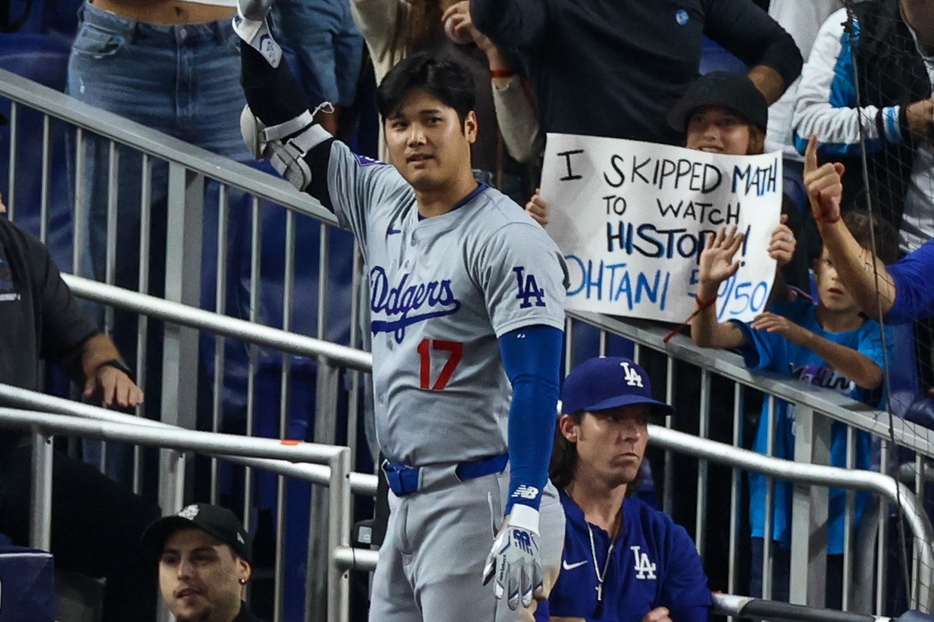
x,y
204,564
623,560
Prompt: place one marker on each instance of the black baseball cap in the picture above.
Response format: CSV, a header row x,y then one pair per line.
x,y
720,88
211,519
608,382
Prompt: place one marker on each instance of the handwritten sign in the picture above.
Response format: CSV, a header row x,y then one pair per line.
x,y
631,219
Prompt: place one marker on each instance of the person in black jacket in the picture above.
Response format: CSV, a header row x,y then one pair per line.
x,y
615,67
96,523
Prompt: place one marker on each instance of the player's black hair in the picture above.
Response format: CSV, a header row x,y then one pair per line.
x,y
564,459
446,79
865,227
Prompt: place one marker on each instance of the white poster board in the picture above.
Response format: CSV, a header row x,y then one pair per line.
x,y
631,219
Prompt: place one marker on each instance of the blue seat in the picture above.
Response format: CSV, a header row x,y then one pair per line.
x,y
27,578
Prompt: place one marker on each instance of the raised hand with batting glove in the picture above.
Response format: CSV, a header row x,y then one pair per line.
x,y
515,559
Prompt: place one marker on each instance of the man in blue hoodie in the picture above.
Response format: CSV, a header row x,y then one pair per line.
x,y
623,560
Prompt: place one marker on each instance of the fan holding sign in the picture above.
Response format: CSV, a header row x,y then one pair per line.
x,y
631,217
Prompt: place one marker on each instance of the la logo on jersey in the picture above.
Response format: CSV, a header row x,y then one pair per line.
x,y
632,376
644,567
528,289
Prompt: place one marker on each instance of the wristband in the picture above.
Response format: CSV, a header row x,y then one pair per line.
x,y
501,73
828,220
701,305
524,517
117,364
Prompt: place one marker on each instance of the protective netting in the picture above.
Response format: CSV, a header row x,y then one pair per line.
x,y
880,125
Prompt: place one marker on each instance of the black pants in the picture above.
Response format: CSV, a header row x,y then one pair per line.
x,y
96,529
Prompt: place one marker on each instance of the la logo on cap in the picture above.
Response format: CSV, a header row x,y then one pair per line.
x,y
189,512
632,376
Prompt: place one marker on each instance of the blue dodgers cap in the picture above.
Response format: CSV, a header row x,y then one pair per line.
x,y
608,382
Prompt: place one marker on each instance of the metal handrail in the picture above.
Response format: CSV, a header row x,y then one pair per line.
x,y
746,606
218,324
15,397
815,474
829,403
147,140
42,425
726,364
169,437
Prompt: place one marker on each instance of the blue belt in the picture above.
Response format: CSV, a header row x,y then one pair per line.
x,y
403,480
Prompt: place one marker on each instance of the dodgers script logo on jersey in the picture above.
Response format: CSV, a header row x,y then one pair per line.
x,y
407,303
644,567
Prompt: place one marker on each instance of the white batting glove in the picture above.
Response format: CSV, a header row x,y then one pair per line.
x,y
515,560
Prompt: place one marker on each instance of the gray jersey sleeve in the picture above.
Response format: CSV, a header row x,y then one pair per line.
x,y
524,278
358,185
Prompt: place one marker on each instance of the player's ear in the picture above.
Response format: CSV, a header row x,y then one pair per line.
x,y
471,127
568,428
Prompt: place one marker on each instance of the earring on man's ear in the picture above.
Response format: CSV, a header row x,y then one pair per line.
x,y
242,581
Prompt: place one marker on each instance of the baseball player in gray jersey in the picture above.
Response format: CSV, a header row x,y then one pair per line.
x,y
467,315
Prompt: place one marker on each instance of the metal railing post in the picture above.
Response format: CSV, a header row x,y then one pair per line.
x,y
319,555
809,512
40,496
339,537
171,481
182,284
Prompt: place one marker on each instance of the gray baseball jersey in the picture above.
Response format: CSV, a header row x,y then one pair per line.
x,y
442,290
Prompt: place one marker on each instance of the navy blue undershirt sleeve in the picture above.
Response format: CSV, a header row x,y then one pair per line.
x,y
532,360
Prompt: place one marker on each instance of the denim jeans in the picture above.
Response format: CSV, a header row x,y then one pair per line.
x,y
181,80
328,46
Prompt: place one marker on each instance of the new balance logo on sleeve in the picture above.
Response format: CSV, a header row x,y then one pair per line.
x,y
644,568
528,289
525,492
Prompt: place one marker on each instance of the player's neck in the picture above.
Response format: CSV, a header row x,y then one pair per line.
x,y
601,504
441,200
